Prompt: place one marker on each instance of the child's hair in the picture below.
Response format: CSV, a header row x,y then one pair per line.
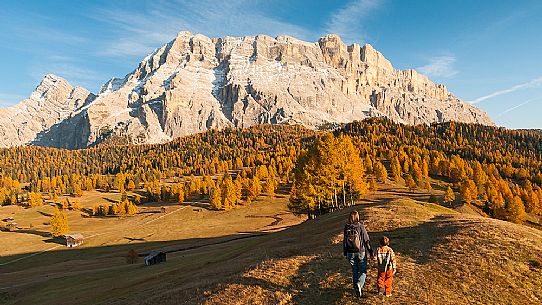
x,y
354,217
384,241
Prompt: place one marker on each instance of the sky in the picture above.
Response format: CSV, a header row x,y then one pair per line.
x,y
486,52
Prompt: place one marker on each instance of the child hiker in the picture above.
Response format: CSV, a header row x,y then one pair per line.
x,y
386,266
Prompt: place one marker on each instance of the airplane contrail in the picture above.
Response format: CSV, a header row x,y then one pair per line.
x,y
519,105
530,84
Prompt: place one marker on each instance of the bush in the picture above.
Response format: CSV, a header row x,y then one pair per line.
x,y
34,199
131,257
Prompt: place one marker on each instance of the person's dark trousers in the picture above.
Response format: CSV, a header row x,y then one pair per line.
x,y
358,262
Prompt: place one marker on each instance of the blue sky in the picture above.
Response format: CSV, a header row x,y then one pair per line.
x,y
486,52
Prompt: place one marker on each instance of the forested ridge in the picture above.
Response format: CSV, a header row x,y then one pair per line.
x,y
493,167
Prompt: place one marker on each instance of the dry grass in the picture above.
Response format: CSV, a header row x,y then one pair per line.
x,y
444,257
63,275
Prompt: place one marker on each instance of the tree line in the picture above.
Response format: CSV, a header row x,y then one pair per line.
x,y
493,167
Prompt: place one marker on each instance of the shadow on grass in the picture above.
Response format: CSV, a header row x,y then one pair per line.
x,y
33,232
45,214
110,200
416,242
199,204
50,240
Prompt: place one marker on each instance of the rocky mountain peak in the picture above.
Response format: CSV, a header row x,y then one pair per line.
x,y
50,87
194,83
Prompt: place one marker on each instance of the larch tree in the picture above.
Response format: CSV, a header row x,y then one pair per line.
x,y
254,188
469,191
270,185
449,196
65,203
229,196
416,172
373,187
215,199
59,223
131,185
180,195
130,208
381,172
331,170
75,205
35,199
396,169
409,182
131,257
515,210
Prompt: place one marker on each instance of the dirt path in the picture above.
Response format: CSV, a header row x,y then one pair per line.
x,y
30,255
167,214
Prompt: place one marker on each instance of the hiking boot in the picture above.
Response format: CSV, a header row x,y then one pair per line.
x,y
388,295
359,294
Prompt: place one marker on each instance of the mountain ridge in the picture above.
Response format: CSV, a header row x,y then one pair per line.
x,y
195,83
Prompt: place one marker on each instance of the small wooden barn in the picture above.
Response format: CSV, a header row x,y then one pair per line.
x,y
155,258
10,227
74,240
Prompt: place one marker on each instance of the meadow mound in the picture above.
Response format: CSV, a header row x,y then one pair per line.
x,y
444,257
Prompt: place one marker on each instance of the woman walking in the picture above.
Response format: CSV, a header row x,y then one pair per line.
x,y
356,248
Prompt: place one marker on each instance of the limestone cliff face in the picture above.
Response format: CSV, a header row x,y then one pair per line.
x,y
195,83
53,101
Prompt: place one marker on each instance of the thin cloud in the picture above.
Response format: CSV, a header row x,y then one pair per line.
x,y
440,66
530,84
519,105
347,21
139,33
67,68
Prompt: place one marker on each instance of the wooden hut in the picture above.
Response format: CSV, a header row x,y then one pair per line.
x,y
155,258
10,227
74,240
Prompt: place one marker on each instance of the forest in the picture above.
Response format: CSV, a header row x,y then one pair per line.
x,y
494,168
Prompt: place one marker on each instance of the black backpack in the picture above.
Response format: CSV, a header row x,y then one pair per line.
x,y
352,238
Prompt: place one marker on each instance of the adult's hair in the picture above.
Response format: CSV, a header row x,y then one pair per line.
x,y
354,217
384,241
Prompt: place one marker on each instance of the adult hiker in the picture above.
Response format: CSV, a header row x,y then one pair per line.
x,y
356,249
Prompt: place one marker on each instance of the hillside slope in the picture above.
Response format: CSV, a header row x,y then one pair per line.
x,y
444,257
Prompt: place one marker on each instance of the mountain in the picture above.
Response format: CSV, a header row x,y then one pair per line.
x,y
195,83
53,101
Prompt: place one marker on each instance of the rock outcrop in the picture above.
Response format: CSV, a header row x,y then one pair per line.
x,y
195,83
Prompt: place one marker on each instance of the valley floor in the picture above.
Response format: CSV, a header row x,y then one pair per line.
x,y
260,254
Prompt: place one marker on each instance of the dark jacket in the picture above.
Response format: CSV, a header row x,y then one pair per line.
x,y
365,244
